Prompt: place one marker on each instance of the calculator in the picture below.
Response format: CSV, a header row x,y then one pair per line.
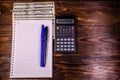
x,y
65,34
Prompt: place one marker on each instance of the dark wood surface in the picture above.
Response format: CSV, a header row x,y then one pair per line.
x,y
98,41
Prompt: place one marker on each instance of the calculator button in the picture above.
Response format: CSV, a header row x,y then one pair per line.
x,y
65,49
72,28
69,30
72,42
72,49
58,42
58,39
72,39
58,45
66,34
72,45
61,46
60,35
68,39
61,49
61,39
57,34
61,42
58,28
58,49
65,42
68,42
68,45
65,45
68,49
65,39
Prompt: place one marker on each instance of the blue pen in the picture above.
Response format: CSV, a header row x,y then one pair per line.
x,y
44,35
42,47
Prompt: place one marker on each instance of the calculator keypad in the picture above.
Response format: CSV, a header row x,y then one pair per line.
x,y
65,39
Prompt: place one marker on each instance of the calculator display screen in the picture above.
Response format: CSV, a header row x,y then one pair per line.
x,y
65,21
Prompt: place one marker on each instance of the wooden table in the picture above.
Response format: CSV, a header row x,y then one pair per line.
x,y
98,41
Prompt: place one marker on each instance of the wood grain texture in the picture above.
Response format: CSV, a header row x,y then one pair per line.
x,y
98,41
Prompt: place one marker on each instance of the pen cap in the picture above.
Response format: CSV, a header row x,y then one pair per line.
x,y
42,32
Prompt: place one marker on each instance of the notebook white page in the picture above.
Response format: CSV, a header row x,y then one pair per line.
x,y
25,59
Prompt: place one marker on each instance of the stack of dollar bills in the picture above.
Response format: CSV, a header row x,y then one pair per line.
x,y
34,11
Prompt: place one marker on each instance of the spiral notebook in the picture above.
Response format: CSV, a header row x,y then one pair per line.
x,y
25,56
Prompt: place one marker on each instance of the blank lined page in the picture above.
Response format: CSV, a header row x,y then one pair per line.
x,y
25,61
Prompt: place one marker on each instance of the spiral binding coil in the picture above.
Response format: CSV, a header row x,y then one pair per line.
x,y
13,49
